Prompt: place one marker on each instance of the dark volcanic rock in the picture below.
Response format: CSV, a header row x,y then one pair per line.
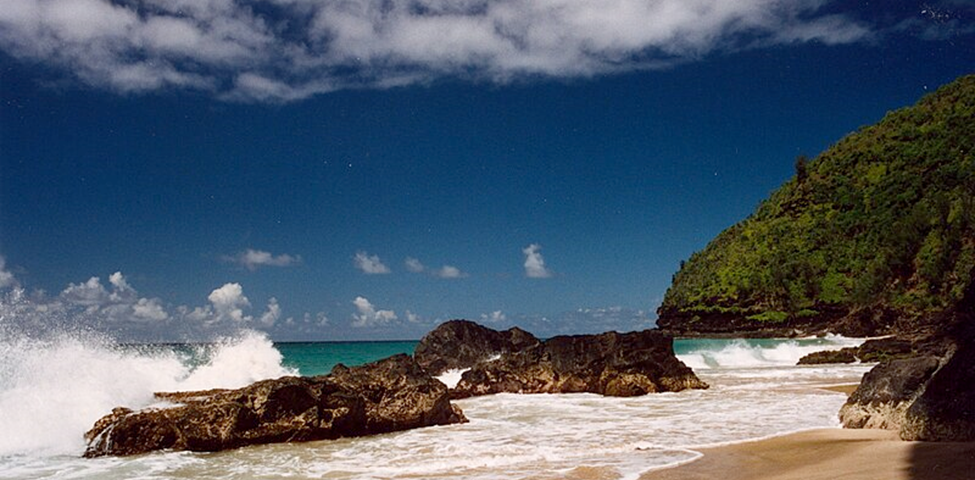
x,y
886,392
611,363
885,349
845,355
945,411
461,343
927,397
388,395
875,350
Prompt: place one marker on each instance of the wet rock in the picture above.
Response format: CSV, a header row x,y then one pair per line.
x,y
945,411
881,349
886,392
459,344
388,395
845,355
615,364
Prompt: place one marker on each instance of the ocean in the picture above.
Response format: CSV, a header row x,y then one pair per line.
x,y
52,390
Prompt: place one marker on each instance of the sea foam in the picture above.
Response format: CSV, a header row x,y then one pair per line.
x,y
53,390
743,353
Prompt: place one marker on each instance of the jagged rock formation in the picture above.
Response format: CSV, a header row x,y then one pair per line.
x,y
459,344
611,363
388,395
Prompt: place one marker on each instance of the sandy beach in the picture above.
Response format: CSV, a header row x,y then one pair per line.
x,y
829,454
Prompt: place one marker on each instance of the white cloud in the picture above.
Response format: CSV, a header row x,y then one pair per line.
x,y
414,265
118,305
253,259
448,271
7,279
370,264
496,316
228,309
296,48
88,294
534,263
229,302
368,316
321,319
116,308
273,313
149,309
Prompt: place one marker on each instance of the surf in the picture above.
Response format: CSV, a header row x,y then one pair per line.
x,y
53,389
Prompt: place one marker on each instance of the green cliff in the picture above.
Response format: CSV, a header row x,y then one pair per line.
x,y
875,235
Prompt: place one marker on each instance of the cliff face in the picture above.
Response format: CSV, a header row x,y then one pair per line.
x,y
874,236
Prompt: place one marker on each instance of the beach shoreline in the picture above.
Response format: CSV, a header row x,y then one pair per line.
x,y
830,453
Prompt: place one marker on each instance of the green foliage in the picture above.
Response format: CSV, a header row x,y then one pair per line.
x,y
886,215
770,317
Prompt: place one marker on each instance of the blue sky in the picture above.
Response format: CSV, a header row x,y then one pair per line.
x,y
176,170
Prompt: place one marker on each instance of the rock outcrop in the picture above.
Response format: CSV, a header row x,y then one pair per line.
x,y
930,396
945,410
875,350
843,355
886,392
460,344
388,395
614,364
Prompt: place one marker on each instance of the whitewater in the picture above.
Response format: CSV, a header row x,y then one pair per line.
x,y
53,389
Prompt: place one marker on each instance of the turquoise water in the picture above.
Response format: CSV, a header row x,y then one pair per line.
x,y
318,358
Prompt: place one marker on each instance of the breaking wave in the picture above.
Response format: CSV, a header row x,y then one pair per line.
x,y
53,389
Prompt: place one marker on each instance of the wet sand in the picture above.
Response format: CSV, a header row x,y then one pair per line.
x,y
847,389
830,454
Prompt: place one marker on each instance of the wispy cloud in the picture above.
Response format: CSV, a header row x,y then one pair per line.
x,y
496,316
450,271
289,50
446,271
370,264
414,265
253,259
535,263
273,313
7,279
586,320
368,316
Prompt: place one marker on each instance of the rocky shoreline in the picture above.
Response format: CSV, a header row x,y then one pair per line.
x,y
396,393
923,387
924,384
385,396
514,361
